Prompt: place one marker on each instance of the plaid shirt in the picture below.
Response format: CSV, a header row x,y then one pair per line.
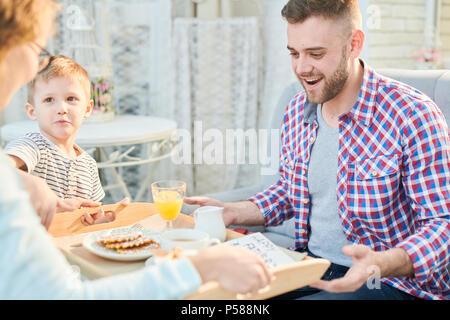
x,y
393,177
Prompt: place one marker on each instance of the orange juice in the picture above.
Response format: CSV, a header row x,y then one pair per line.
x,y
168,204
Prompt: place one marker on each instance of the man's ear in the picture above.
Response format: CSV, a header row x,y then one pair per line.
x,y
31,111
357,43
89,108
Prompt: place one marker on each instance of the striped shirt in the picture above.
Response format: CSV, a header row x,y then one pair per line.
x,y
68,178
393,178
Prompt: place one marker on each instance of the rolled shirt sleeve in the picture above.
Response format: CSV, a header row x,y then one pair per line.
x,y
274,203
25,149
426,176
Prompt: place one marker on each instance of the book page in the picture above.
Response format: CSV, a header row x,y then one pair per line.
x,y
258,243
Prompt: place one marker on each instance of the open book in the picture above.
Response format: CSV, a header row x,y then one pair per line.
x,y
271,253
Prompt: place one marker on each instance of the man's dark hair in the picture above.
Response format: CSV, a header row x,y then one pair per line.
x,y
299,10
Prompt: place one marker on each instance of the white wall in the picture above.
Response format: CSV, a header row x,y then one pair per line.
x,y
364,7
445,31
400,33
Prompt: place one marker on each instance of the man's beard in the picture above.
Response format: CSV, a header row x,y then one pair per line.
x,y
332,86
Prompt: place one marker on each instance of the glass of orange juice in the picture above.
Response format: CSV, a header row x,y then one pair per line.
x,y
168,198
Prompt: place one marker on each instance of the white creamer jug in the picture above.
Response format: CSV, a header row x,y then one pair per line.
x,y
210,220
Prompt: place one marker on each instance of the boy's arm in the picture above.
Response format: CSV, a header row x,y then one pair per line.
x,y
18,163
24,153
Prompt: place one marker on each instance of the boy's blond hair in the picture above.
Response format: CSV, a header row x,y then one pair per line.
x,y
64,67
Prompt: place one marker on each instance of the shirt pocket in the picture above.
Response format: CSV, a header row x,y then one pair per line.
x,y
373,187
377,167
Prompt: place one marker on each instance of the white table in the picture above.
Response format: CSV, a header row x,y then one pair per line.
x,y
155,134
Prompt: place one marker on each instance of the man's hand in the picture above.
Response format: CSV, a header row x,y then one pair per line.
x,y
391,263
228,215
237,213
363,259
237,269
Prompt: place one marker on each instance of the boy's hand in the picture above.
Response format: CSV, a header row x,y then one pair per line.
x,y
124,202
46,203
75,203
101,216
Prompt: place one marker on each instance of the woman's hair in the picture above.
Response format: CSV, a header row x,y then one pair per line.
x,y
20,21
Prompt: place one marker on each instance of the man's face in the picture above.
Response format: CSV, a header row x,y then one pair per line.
x,y
320,57
60,104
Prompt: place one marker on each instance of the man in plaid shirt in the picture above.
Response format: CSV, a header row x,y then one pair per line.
x,y
391,191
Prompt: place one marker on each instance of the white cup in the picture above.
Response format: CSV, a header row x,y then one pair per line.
x,y
187,239
209,219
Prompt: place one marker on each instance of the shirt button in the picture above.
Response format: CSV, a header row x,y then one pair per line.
x,y
304,172
305,201
374,173
302,231
312,139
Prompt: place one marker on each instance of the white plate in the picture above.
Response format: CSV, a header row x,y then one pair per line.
x,y
90,243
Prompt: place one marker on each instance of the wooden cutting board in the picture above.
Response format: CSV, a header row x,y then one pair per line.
x,y
69,223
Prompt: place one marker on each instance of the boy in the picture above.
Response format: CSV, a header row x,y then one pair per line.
x,y
59,99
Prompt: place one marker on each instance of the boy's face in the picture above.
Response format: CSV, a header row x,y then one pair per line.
x,y
60,105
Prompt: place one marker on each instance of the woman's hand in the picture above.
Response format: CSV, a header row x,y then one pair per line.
x,y
237,269
42,198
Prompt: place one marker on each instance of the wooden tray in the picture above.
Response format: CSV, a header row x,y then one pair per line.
x,y
69,232
287,278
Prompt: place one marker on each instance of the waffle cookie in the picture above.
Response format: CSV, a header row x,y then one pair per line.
x,y
152,245
141,241
119,238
